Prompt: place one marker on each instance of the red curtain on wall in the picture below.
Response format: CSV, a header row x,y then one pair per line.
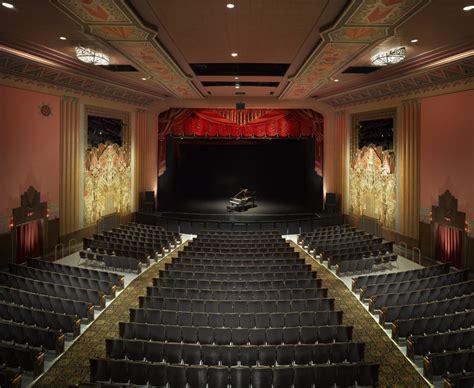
x,y
449,245
28,241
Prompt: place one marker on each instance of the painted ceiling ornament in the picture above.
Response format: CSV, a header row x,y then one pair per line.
x,y
45,110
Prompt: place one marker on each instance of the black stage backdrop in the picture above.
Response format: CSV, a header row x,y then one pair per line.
x,y
202,175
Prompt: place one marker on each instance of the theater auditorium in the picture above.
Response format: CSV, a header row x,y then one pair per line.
x,y
236,193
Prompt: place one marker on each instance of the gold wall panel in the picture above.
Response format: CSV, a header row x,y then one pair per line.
x,y
373,185
107,181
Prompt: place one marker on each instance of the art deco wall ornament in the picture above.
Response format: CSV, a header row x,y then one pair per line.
x,y
107,181
373,185
45,110
389,57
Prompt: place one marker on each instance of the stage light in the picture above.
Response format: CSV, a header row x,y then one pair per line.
x,y
234,54
230,5
468,8
8,5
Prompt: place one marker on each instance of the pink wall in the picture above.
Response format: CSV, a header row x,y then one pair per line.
x,y
29,147
447,149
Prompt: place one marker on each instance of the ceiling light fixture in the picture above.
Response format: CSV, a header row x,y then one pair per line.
x,y
335,80
88,55
389,57
144,78
414,40
8,5
62,38
230,5
234,54
237,86
468,8
236,77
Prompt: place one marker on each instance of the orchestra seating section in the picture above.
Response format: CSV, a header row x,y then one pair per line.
x,y
348,249
128,247
432,310
239,309
41,305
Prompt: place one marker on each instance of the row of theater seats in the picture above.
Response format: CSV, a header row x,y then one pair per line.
x,y
42,304
230,355
244,320
197,376
431,309
240,336
339,245
129,246
235,304
236,295
368,264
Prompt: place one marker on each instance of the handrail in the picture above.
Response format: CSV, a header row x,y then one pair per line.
x,y
416,249
69,250
60,245
404,245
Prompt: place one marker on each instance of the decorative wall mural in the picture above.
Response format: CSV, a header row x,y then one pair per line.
x,y
373,185
107,181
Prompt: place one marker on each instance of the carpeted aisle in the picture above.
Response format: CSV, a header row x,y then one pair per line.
x,y
73,367
395,369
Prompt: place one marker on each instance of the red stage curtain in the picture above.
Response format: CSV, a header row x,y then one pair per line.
x,y
449,245
236,124
28,241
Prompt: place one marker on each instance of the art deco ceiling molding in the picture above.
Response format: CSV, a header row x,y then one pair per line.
x,y
18,68
362,24
449,74
116,24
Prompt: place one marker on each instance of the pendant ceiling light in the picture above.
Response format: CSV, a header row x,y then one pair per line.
x,y
91,56
389,57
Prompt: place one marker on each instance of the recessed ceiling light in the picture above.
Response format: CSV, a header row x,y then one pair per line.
x,y
62,38
414,40
230,5
144,78
468,8
234,54
8,5
336,80
237,86
236,77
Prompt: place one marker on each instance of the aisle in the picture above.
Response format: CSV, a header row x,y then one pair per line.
x,y
73,366
395,369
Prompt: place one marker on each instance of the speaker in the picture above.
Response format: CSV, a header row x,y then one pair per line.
x,y
240,105
331,203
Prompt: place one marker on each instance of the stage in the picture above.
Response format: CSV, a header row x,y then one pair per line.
x,y
193,223
219,206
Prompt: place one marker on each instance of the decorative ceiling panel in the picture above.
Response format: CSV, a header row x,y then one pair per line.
x,y
116,24
364,23
12,66
453,72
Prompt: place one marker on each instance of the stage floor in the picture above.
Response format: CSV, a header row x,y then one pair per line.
x,y
219,206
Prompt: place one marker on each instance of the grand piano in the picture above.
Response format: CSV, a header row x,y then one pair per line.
x,y
243,200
